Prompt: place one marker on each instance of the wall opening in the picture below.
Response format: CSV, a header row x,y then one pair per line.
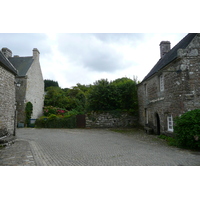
x,y
157,123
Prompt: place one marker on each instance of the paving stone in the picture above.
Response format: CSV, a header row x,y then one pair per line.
x,y
92,147
17,154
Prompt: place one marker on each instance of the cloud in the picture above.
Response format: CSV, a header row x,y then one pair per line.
x,y
122,38
93,51
23,43
84,58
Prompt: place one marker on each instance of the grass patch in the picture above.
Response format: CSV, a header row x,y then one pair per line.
x,y
170,140
126,131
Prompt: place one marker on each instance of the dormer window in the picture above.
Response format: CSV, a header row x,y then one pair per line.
x,y
162,83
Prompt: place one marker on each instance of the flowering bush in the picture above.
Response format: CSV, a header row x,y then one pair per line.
x,y
61,112
48,110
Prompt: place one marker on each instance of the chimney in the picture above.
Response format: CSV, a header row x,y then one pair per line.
x,y
164,48
7,52
36,53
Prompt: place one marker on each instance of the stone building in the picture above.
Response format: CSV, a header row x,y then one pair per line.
x,y
7,97
29,83
172,87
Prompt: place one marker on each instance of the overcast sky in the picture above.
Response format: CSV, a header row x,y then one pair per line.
x,y
72,58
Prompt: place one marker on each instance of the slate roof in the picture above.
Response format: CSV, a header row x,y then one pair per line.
x,y
171,55
22,64
6,64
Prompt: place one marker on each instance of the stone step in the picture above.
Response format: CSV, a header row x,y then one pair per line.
x,y
7,140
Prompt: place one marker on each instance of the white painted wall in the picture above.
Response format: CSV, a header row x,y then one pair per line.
x,y
35,87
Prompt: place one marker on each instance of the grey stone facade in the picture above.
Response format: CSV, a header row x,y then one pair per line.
x,y
20,98
30,84
172,89
7,102
109,120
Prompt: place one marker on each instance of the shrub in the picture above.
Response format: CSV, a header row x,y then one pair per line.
x,y
28,111
187,129
170,140
48,110
54,121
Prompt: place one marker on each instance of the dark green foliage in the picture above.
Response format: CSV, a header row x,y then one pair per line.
x,y
75,99
68,99
56,122
126,93
50,83
120,94
187,129
103,95
28,112
170,140
55,97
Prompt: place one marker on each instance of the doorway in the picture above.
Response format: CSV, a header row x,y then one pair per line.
x,y
80,120
157,124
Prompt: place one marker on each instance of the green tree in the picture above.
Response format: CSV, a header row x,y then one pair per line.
x,y
55,97
126,96
120,94
76,99
100,96
50,83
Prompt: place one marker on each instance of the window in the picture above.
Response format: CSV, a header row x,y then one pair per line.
x,y
170,123
161,83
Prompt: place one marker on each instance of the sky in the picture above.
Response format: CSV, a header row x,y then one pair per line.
x,y
84,58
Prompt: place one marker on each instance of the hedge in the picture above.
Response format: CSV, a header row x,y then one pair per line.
x,y
56,122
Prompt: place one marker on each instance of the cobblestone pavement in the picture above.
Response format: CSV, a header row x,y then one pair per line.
x,y
92,147
17,154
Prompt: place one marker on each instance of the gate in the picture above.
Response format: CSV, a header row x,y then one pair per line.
x,y
80,121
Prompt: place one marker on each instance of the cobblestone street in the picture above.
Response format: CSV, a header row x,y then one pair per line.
x,y
92,147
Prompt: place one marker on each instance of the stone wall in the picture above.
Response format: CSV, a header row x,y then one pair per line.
x,y
20,98
7,102
181,89
110,120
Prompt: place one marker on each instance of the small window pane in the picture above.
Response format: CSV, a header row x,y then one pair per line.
x,y
170,123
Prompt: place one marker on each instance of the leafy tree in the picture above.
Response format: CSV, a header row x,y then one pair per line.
x,y
76,99
83,88
55,97
50,83
119,94
103,95
126,93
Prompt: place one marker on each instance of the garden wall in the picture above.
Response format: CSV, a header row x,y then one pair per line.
x,y
110,120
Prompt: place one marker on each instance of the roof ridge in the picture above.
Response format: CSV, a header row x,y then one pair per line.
x,y
8,64
22,64
170,55
16,56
